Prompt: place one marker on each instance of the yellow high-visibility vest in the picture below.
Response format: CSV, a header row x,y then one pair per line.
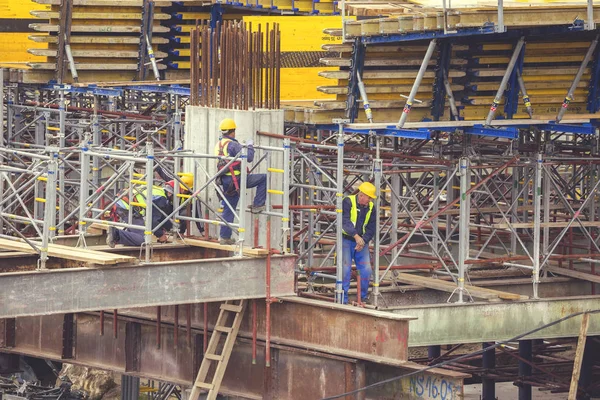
x,y
354,213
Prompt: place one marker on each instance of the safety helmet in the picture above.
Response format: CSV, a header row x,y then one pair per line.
x,y
169,187
369,189
227,124
187,179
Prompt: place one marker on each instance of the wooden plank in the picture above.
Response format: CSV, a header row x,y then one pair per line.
x,y
95,15
106,3
92,67
562,224
98,39
571,273
475,291
70,253
94,53
585,322
106,28
217,246
579,119
438,284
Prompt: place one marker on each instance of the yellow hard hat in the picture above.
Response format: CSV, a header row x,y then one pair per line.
x,y
369,189
188,179
227,124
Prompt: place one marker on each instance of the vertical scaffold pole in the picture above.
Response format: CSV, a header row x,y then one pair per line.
x,y
50,209
61,167
149,197
84,185
242,202
377,167
285,221
463,229
339,292
537,211
417,83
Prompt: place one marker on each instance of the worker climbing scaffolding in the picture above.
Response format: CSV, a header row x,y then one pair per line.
x,y
228,146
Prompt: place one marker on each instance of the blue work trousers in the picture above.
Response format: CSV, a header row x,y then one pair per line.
x,y
259,181
363,265
130,237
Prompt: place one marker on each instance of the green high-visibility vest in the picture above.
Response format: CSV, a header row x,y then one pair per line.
x,y
354,213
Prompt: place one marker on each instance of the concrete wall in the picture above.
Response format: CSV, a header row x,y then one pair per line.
x,y
201,136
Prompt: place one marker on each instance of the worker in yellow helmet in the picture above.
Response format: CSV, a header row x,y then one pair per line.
x,y
228,146
358,222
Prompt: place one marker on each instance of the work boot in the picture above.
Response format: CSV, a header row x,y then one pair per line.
x,y
257,209
110,237
227,241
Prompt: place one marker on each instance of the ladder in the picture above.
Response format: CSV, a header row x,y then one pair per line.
x,y
223,339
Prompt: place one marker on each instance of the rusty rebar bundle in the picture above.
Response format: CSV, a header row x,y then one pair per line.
x,y
235,67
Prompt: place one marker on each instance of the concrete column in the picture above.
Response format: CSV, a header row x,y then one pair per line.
x,y
434,351
590,354
130,387
488,385
525,352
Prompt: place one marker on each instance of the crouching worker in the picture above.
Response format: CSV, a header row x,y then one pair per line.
x,y
358,220
162,203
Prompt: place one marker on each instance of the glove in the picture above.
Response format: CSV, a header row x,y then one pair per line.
x,y
250,142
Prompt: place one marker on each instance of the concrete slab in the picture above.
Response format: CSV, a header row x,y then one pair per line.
x,y
488,322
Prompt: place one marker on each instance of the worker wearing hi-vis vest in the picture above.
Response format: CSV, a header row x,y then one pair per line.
x,y
358,221
229,147
162,202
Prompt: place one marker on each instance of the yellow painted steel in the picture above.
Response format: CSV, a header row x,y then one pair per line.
x,y
273,191
300,33
275,170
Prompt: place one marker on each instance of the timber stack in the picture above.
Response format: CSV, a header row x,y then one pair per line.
x,y
388,53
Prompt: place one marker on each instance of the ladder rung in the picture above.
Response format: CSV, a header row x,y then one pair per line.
x,y
203,385
225,329
231,307
213,357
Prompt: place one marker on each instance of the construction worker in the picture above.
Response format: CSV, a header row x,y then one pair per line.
x,y
162,200
358,221
229,147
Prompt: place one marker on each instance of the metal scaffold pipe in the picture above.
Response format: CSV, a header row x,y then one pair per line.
x,y
417,83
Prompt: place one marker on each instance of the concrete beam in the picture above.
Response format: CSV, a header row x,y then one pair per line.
x,y
89,289
482,322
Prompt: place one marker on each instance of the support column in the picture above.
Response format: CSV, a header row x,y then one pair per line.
x,y
537,204
488,385
463,228
377,166
590,355
434,351
525,352
130,387
339,292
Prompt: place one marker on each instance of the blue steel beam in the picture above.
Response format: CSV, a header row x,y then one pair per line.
x,y
392,131
86,90
505,132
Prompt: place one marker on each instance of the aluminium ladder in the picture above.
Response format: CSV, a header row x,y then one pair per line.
x,y
223,336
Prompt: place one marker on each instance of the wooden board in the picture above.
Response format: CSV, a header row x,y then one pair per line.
x,y
70,253
217,246
561,224
475,291
571,273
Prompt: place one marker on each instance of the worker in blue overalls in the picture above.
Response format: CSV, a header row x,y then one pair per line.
x,y
358,221
229,147
162,200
